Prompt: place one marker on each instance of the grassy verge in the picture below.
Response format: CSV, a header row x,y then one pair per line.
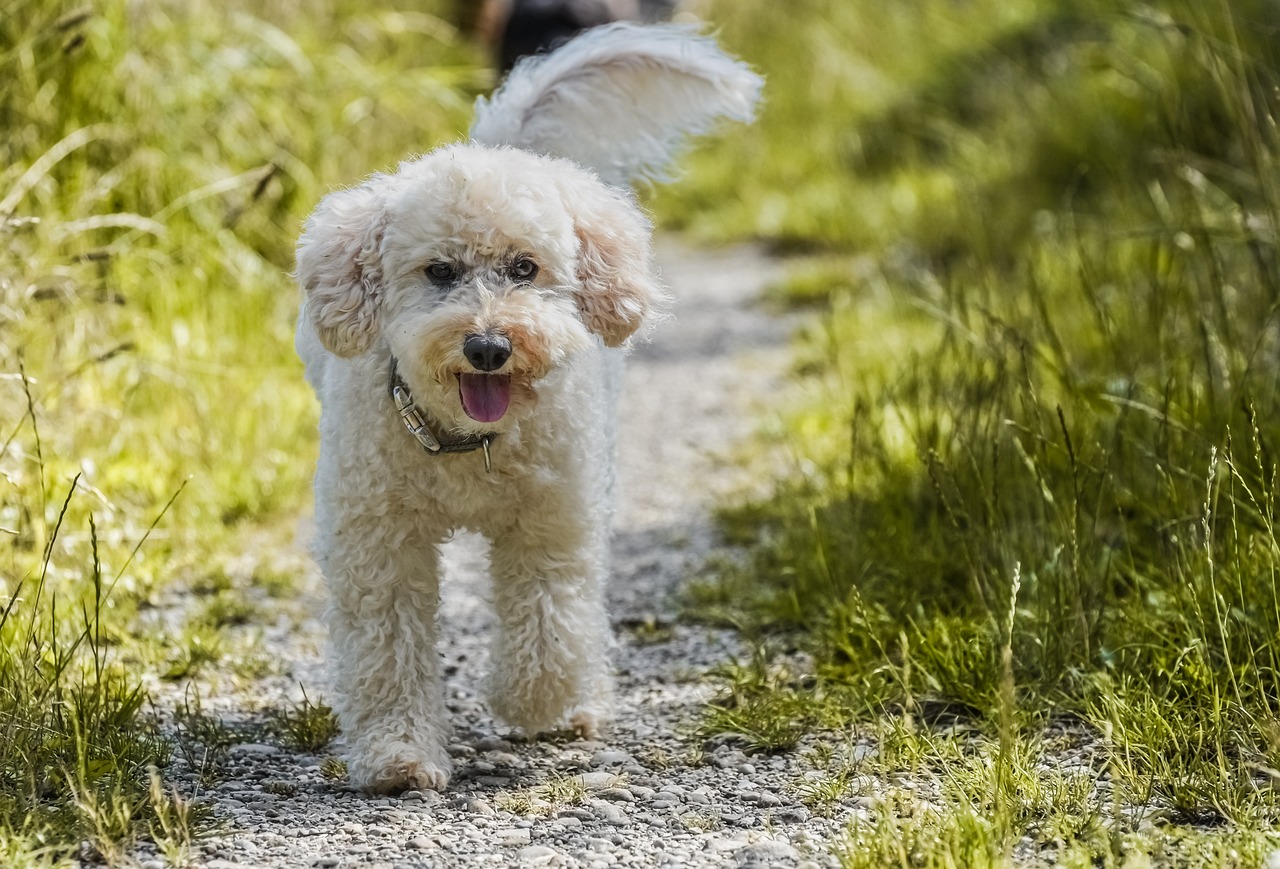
x,y
156,164
1035,492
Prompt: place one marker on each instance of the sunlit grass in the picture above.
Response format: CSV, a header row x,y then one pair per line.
x,y
1034,487
156,163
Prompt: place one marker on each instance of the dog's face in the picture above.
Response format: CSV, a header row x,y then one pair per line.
x,y
483,270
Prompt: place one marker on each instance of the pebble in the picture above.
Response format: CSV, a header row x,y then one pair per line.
x,y
493,743
791,815
514,837
768,852
253,748
538,855
596,780
610,758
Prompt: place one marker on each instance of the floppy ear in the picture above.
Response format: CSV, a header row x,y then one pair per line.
x,y
618,292
340,266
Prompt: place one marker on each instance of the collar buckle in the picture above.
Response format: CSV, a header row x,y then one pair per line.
x,y
415,420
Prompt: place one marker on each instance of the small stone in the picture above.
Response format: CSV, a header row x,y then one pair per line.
x,y
419,843
430,798
700,797
460,750
594,781
514,837
768,852
610,758
538,855
253,748
326,862
505,758
479,807
608,812
617,795
493,743
577,813
767,800
792,815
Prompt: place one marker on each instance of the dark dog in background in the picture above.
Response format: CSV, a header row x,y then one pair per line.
x,y
515,28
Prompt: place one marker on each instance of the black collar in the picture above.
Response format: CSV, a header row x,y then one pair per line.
x,y
415,420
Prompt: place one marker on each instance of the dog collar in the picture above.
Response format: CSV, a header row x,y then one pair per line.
x,y
415,420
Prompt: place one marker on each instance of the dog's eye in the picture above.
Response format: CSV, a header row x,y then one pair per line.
x,y
524,269
441,272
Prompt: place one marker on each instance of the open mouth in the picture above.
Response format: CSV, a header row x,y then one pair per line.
x,y
485,397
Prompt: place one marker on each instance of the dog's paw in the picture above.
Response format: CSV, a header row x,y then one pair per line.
x,y
586,725
401,768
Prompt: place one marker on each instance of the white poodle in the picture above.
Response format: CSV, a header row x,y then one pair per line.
x,y
459,324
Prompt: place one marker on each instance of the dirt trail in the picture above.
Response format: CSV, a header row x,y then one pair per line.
x,y
647,795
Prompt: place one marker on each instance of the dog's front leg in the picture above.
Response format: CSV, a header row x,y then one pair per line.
x,y
384,594
551,656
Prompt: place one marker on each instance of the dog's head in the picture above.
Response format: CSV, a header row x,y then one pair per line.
x,y
483,270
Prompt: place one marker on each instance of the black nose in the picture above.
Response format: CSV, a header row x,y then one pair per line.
x,y
486,352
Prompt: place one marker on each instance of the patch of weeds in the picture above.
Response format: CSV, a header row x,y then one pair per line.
x,y
649,631
760,710
561,790
655,758
822,792
333,768
698,822
276,582
226,608
202,739
306,727
176,822
521,803
280,787
198,646
211,583
254,663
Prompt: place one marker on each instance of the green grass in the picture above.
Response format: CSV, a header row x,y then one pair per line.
x,y
1035,423
156,164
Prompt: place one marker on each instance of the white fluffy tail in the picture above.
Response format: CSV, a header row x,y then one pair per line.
x,y
620,99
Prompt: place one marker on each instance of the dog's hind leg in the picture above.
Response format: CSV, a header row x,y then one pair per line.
x,y
383,581
551,657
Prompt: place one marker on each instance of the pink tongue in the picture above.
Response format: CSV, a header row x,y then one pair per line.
x,y
485,396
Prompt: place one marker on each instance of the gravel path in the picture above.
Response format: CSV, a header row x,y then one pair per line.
x,y
646,796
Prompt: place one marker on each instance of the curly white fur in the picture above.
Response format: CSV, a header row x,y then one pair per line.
x,y
409,266
621,99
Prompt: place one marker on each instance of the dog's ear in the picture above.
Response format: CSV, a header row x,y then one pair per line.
x,y
340,266
618,291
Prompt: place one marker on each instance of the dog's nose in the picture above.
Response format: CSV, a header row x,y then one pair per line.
x,y
486,352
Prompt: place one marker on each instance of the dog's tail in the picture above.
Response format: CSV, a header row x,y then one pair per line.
x,y
620,99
